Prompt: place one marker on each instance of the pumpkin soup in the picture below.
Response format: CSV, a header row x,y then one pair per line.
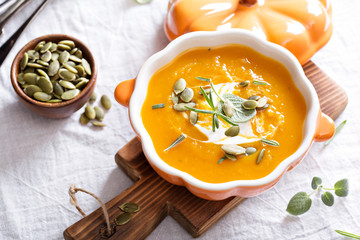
x,y
223,114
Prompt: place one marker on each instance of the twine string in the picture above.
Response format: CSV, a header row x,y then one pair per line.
x,y
73,190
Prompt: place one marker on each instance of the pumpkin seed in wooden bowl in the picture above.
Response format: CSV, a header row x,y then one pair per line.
x,y
61,71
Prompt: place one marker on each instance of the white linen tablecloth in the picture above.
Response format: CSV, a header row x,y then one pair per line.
x,y
40,158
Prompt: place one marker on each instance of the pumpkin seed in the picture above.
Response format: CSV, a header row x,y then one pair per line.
x,y
70,68
244,83
31,78
53,47
55,56
41,96
270,142
232,131
233,149
46,47
231,157
46,56
228,108
263,108
80,70
129,207
69,43
75,58
99,113
64,57
67,84
157,106
33,54
262,102
249,104
93,97
174,98
24,61
45,64
179,86
86,66
187,95
57,89
98,124
55,77
193,117
73,51
260,156
39,46
90,112
43,73
254,97
71,63
105,101
206,90
63,47
29,70
45,85
31,89
54,101
82,84
57,96
84,119
123,218
250,150
35,65
20,78
67,75
70,94
180,107
53,68
79,54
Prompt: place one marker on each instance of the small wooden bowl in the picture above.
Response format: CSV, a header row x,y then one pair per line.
x,y
54,110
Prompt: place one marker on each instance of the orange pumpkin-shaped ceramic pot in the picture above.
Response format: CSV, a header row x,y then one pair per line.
x,y
301,26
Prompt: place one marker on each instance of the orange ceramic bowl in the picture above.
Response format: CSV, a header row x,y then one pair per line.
x,y
54,110
132,93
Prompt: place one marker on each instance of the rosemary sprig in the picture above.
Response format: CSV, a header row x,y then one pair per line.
x,y
208,100
222,116
176,142
213,88
346,234
203,79
255,82
222,159
337,130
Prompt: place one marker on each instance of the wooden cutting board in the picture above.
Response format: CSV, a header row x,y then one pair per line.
x,y
158,198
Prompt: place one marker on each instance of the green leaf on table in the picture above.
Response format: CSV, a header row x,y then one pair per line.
x,y
300,203
327,198
316,181
346,234
337,130
342,188
240,114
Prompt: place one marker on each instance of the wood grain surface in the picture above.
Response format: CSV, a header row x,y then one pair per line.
x,y
158,198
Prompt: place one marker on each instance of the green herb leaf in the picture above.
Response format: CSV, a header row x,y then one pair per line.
x,y
337,130
199,110
203,79
208,100
316,181
346,234
342,188
213,123
270,142
240,114
176,142
260,83
327,198
216,121
221,160
157,106
300,203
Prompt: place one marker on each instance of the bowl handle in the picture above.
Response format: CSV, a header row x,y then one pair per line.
x,y
123,92
325,129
